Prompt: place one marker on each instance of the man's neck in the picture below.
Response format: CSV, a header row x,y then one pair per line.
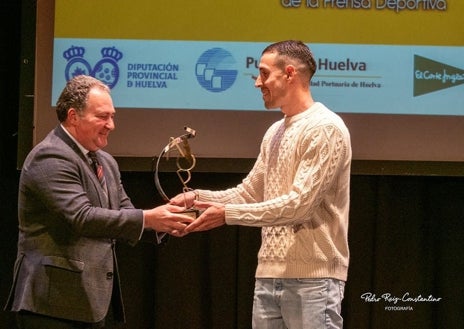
x,y
301,105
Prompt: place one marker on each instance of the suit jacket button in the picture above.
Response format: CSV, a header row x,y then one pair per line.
x,y
109,275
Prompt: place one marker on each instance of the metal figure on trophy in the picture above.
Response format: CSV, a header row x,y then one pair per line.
x,y
185,162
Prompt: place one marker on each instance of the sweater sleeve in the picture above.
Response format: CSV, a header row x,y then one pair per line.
x,y
315,162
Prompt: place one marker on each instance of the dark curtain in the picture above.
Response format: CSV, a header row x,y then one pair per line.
x,y
406,239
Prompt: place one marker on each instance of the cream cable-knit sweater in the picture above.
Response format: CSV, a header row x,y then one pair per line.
x,y
298,192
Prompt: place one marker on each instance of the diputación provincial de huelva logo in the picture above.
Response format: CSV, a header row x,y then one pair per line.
x,y
105,70
430,76
215,70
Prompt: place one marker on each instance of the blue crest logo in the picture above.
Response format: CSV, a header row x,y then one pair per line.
x,y
106,69
215,70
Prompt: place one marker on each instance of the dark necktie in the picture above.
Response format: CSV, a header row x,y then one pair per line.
x,y
98,169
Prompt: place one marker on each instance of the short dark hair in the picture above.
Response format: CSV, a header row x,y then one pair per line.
x,y
295,50
75,95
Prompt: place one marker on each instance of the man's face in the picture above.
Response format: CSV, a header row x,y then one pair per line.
x,y
271,81
93,126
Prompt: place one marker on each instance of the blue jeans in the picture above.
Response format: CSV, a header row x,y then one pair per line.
x,y
298,304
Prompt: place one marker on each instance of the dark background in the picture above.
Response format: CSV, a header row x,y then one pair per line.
x,y
406,238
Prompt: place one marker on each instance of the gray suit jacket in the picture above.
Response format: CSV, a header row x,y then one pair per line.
x,y
66,265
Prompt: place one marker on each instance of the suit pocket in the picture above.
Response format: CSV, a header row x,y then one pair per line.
x,y
63,263
66,287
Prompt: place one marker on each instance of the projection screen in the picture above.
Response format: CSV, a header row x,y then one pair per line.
x,y
393,70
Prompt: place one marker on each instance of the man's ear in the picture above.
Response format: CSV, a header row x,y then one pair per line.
x,y
290,71
72,115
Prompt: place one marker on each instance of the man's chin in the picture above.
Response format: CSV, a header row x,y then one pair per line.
x,y
102,143
269,106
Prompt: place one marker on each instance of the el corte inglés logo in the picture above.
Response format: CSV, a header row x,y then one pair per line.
x,y
430,76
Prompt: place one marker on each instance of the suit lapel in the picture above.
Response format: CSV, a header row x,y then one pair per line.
x,y
104,198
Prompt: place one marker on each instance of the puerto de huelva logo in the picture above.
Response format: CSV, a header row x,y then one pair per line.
x,y
216,70
431,75
402,302
105,70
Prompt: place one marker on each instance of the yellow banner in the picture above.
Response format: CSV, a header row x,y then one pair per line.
x,y
396,22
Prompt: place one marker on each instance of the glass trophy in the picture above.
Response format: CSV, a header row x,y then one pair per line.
x,y
185,162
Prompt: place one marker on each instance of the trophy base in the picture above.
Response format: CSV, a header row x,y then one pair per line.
x,y
193,213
